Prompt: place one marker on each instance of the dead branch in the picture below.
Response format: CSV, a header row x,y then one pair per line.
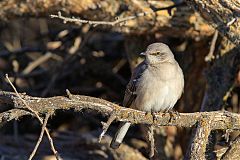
x,y
220,120
118,20
12,114
222,15
37,62
210,55
174,22
218,86
200,140
40,136
106,126
36,114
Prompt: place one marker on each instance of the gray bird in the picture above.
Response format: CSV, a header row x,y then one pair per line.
x,y
155,85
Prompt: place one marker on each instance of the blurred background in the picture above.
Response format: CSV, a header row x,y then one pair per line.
x,y
43,57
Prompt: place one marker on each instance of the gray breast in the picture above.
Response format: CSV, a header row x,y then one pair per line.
x,y
158,90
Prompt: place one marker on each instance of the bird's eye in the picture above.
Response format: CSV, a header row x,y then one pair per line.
x,y
157,53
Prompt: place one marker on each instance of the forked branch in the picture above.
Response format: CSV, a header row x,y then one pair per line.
x,y
220,119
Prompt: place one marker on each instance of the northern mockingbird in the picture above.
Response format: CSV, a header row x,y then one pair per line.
x,y
155,85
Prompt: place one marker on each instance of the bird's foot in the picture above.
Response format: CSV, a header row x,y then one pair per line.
x,y
174,115
151,114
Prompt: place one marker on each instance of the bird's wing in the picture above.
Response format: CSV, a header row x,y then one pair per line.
x,y
130,93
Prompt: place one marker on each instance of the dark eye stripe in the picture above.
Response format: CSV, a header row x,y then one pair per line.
x,y
155,53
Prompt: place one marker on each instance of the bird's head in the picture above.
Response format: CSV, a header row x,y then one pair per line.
x,y
158,53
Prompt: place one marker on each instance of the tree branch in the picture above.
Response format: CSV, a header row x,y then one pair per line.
x,y
35,113
118,20
222,15
174,22
40,137
200,140
220,120
217,86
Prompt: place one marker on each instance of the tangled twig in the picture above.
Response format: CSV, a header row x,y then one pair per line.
x,y
40,137
37,116
118,20
220,120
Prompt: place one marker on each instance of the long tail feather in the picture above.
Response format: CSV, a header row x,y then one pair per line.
x,y
118,138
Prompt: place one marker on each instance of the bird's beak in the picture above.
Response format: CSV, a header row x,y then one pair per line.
x,y
143,54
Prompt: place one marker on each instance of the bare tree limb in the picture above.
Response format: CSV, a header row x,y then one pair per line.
x,y
210,55
200,140
220,120
222,15
35,113
106,126
12,114
207,121
217,86
40,137
118,20
169,22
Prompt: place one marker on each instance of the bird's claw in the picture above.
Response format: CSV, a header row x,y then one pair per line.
x,y
174,115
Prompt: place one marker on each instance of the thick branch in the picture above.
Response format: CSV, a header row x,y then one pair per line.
x,y
220,77
12,114
220,120
224,15
200,140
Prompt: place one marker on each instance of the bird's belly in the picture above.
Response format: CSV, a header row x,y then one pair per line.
x,y
156,96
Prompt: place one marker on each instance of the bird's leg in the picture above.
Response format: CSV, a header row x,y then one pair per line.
x,y
174,112
152,115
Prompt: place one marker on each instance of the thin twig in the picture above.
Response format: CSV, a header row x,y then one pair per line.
x,y
24,102
63,65
40,137
210,55
106,126
38,117
118,20
37,62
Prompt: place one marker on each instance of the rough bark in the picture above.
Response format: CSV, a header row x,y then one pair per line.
x,y
178,22
220,120
233,151
200,140
222,15
220,77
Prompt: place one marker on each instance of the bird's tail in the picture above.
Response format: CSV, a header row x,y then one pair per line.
x,y
118,138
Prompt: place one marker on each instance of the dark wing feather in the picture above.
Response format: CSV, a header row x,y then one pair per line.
x,y
130,93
